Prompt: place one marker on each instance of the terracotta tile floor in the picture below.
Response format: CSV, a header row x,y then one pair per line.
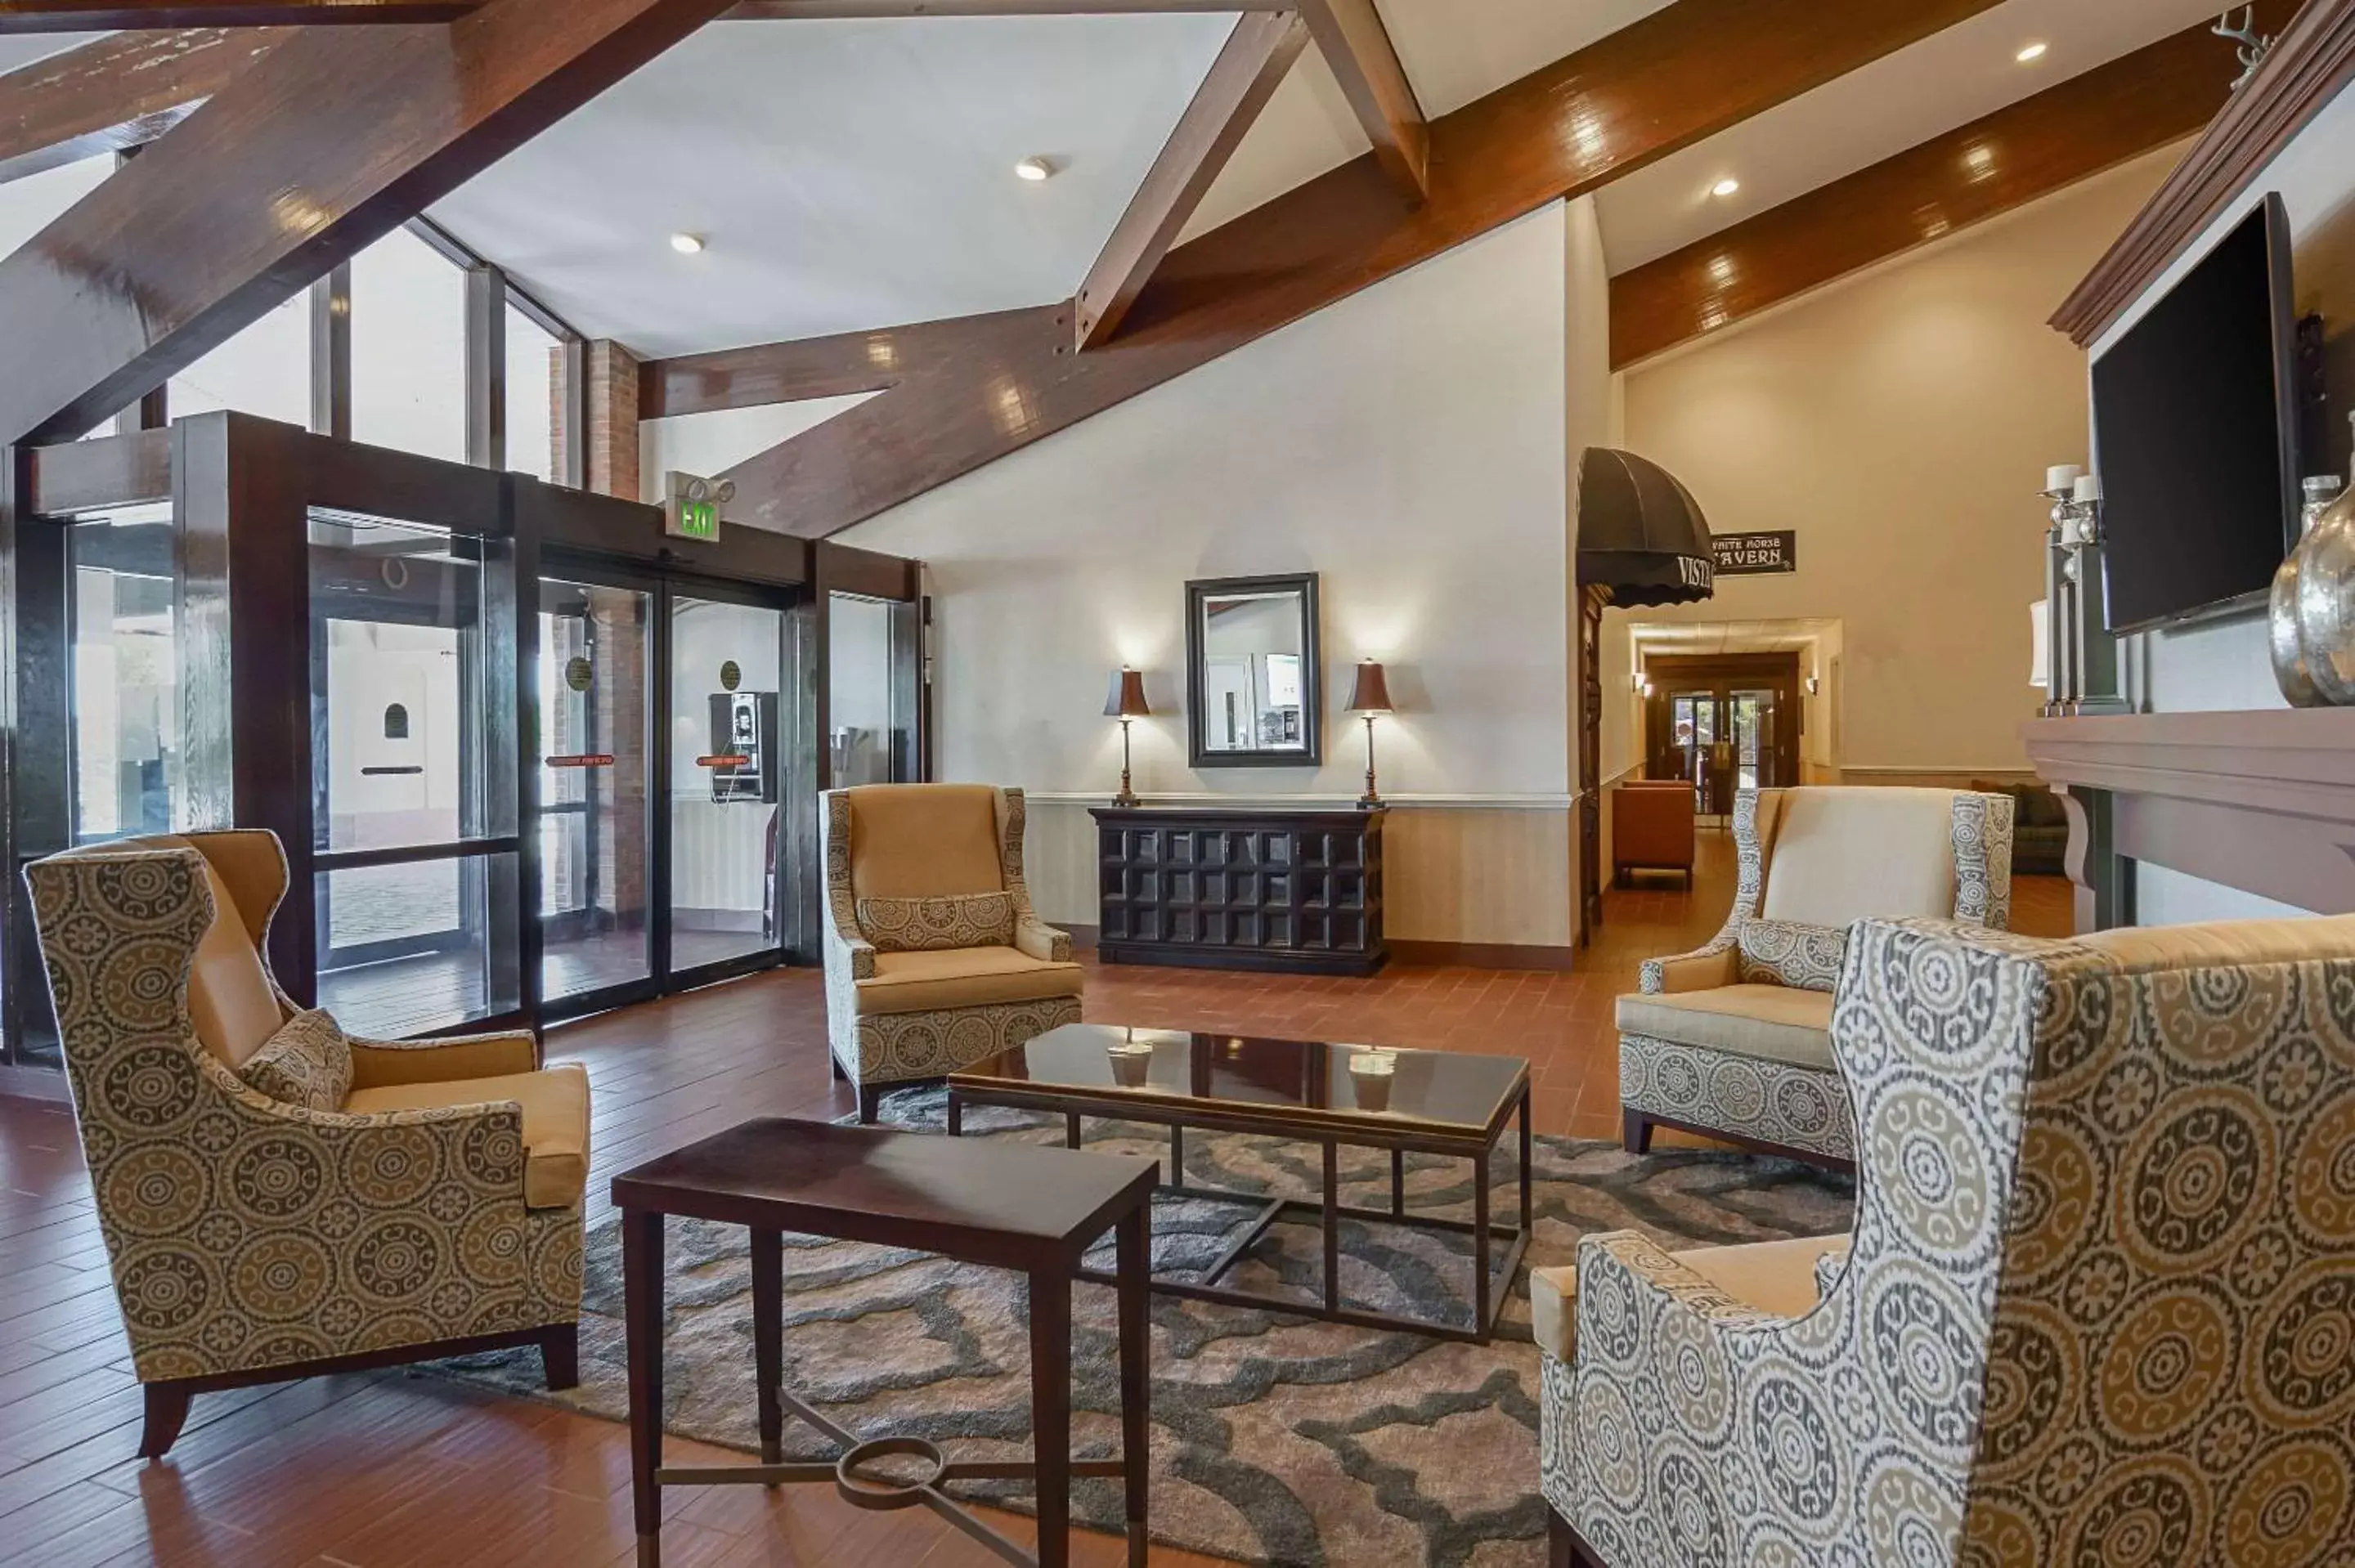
x,y
392,1468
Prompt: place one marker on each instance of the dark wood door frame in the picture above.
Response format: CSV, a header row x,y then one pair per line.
x,y
1723,674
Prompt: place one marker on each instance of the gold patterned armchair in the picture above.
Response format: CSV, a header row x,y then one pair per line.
x,y
2099,1304
383,1202
1733,1040
934,959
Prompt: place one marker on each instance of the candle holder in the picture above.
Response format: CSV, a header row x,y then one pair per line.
x,y
2084,659
1372,1075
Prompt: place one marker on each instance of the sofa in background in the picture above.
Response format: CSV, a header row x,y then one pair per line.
x,y
2040,827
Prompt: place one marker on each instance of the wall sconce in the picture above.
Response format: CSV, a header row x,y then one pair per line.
x,y
1814,686
1369,694
1127,702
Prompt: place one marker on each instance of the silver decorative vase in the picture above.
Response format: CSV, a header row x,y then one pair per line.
x,y
2326,603
2286,631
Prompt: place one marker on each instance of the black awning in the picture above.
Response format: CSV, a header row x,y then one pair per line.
x,y
1640,534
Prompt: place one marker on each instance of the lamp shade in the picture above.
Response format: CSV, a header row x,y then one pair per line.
x,y
1370,693
1127,699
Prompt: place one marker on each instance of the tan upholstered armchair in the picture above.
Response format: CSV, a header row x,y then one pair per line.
x,y
431,1207
2100,1299
1733,1040
934,959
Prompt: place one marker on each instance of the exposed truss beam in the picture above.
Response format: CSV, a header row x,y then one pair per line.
x,y
2079,128
833,367
1240,82
326,142
114,94
1681,74
91,16
1351,37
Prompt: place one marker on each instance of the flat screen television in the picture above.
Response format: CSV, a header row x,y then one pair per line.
x,y
2195,423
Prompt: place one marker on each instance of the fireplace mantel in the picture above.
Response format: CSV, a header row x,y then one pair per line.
x,y
2261,799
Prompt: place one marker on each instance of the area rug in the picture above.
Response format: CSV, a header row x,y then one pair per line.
x,y
1277,1439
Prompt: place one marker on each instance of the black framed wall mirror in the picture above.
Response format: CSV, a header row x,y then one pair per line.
x,y
1252,663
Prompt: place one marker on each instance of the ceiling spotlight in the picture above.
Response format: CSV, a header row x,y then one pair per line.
x,y
1034,170
2034,51
687,244
1726,187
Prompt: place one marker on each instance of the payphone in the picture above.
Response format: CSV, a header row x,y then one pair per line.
x,y
743,759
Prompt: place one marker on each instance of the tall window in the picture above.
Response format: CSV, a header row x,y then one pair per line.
x,y
263,370
408,348
532,383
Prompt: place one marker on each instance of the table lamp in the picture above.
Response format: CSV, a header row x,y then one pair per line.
x,y
1369,694
1127,702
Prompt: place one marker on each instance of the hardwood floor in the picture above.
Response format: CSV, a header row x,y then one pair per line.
x,y
393,1468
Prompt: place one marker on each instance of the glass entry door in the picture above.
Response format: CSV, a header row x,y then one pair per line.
x,y
596,649
727,773
665,723
1725,724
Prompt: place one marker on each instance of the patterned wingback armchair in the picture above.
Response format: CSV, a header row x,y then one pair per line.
x,y
1733,1040
2100,1305
426,1202
934,959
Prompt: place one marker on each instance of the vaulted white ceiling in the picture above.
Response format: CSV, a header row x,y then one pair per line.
x,y
859,174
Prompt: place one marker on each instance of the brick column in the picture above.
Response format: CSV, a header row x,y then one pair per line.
x,y
613,418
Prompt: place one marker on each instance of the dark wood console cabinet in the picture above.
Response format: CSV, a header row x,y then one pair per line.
x,y
1220,888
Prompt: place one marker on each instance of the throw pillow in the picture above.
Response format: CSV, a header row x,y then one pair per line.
x,y
307,1062
931,925
1792,953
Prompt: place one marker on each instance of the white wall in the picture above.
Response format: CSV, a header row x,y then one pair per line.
x,y
2223,665
1899,423
1407,444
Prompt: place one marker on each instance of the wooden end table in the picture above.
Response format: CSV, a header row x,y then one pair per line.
x,y
999,1204
1448,1103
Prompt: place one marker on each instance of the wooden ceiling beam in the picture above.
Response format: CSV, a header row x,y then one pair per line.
x,y
94,16
115,93
1683,72
1240,81
1350,36
2070,132
2312,61
324,144
837,365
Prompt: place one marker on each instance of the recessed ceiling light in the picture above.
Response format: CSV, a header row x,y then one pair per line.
x,y
1034,170
2034,51
687,244
1726,187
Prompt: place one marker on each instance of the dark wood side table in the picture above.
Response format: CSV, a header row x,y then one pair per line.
x,y
997,1204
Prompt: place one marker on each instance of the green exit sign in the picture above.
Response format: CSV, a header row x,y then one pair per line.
x,y
691,508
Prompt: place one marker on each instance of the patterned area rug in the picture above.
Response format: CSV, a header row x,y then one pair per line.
x,y
1278,1439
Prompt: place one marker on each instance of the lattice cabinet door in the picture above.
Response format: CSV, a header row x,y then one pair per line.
x,y
1242,889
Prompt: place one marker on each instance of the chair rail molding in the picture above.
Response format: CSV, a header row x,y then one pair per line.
x,y
2263,801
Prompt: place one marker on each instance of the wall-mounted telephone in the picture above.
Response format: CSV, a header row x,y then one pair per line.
x,y
743,757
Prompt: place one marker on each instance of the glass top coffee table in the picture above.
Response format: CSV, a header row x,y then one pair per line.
x,y
1428,1102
